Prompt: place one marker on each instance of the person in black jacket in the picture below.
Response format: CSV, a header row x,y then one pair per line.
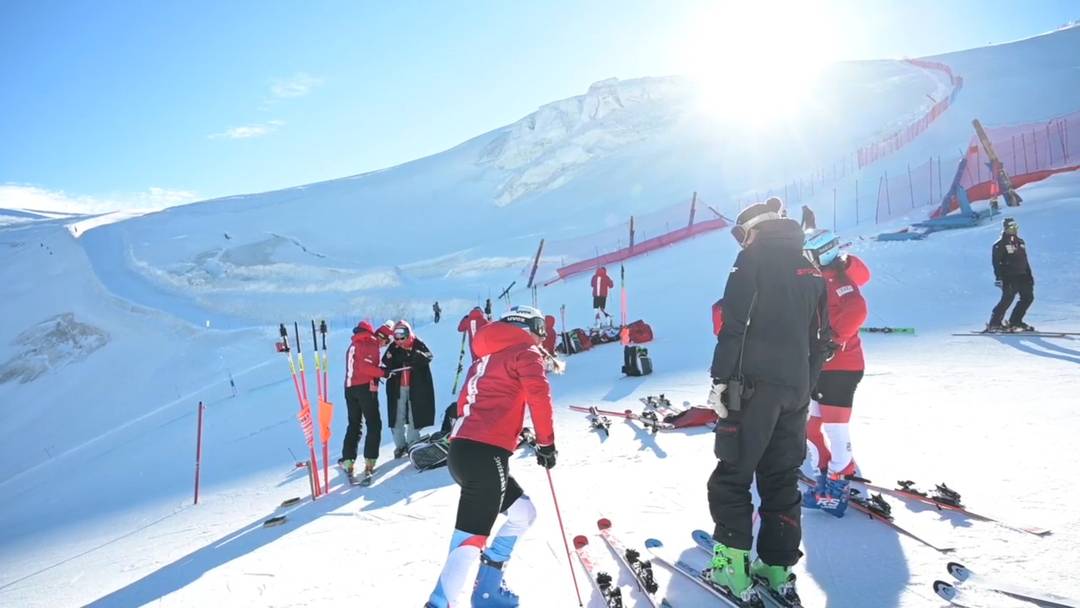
x,y
410,392
770,349
1012,274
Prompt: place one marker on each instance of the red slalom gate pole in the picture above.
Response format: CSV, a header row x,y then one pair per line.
x,y
198,450
562,532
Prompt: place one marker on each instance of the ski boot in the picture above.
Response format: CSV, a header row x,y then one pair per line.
x,y
730,569
400,452
346,465
1018,326
779,580
490,590
830,494
809,497
996,328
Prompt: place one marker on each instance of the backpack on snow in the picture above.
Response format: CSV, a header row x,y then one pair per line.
x,y
636,361
639,332
431,451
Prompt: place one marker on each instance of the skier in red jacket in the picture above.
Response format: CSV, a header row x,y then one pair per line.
x,y
362,374
508,374
833,396
601,283
470,324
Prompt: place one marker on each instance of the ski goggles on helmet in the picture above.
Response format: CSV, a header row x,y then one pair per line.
x,y
741,231
533,324
400,333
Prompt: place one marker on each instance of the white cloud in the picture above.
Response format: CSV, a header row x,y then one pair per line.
x,y
33,198
248,131
297,85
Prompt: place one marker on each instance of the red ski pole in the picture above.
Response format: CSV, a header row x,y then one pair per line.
x,y
198,451
562,532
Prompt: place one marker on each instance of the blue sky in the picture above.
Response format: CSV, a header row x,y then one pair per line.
x,y
140,103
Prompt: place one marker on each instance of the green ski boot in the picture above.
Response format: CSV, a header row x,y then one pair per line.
x,y
730,569
779,580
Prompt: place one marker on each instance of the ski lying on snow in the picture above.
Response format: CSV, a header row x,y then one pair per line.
x,y
1022,334
631,560
705,542
656,548
876,514
963,574
650,422
907,490
601,581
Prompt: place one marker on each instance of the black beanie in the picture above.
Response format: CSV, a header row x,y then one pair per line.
x,y
760,212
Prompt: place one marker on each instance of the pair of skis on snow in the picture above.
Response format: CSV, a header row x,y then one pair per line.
x,y
657,409
1022,334
641,570
972,584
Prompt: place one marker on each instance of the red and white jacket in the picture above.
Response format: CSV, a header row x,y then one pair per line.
x,y
470,324
362,359
508,375
601,283
847,313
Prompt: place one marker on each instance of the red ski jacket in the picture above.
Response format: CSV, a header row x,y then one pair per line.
x,y
601,283
470,324
362,359
847,313
508,375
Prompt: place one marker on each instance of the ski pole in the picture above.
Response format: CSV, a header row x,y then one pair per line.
x,y
460,361
562,533
198,451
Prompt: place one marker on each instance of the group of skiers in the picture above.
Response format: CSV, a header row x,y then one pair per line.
x,y
410,392
785,369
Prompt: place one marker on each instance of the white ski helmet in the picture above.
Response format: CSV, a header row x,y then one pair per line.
x,y
526,317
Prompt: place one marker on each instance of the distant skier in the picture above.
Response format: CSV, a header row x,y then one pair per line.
x,y
487,309
809,220
833,397
362,375
601,283
771,345
437,310
509,374
470,324
410,393
1012,274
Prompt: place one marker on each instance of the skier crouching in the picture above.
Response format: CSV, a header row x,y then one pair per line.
x,y
508,374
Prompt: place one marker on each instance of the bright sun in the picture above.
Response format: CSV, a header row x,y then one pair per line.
x,y
753,62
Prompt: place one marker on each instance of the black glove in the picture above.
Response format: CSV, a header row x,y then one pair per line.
x,y
998,283
386,372
545,456
830,350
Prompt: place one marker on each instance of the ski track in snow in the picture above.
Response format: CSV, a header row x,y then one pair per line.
x,y
97,457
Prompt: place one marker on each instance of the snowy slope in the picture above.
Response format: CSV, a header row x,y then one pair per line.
x,y
107,350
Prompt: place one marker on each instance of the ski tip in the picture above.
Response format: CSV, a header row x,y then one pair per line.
x,y
700,535
580,541
945,590
652,543
603,523
958,571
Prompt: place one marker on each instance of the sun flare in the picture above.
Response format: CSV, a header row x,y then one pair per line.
x,y
753,63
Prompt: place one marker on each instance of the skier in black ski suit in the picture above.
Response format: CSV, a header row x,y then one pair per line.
x,y
774,340
1012,274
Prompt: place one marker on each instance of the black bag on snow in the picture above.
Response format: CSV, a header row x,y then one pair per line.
x,y
636,361
430,453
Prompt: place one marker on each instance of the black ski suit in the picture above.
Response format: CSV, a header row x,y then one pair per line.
x,y
775,337
1011,267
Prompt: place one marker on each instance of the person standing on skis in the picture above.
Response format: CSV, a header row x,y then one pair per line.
x,y
768,354
362,374
601,284
470,324
508,375
832,398
410,392
1012,274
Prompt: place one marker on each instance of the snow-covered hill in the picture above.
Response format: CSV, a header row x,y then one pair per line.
x,y
111,338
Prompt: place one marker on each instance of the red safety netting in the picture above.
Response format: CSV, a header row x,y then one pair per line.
x,y
636,236
893,142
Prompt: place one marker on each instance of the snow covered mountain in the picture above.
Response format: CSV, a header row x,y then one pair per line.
x,y
111,338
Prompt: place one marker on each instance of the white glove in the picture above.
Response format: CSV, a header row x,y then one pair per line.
x,y
714,399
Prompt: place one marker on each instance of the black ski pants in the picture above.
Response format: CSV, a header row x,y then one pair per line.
x,y
487,489
766,439
1009,289
363,403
